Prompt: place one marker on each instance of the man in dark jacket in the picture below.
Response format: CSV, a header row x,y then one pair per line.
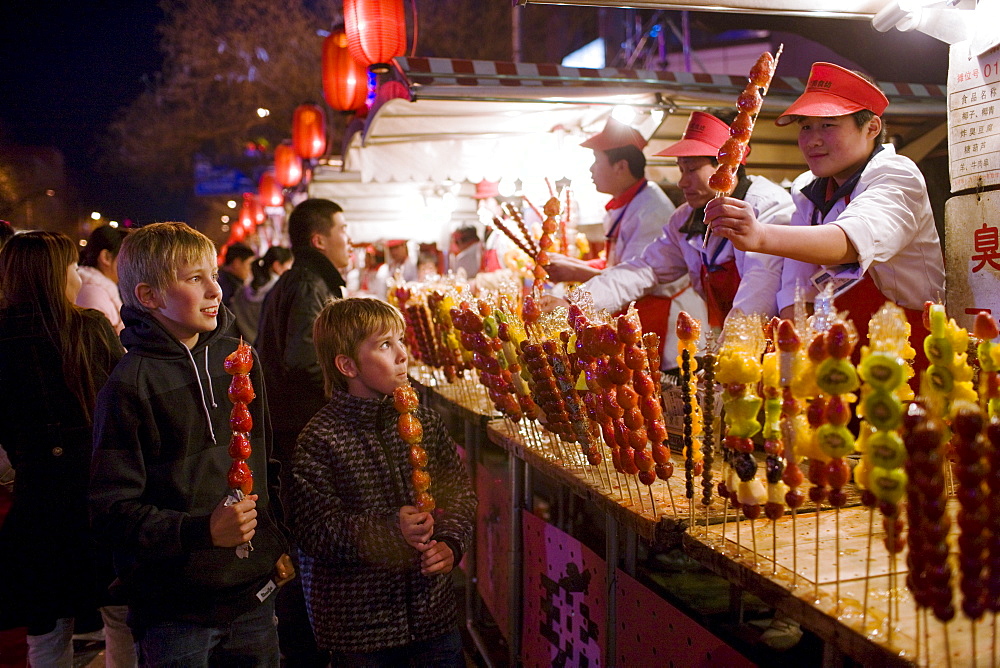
x,y
235,270
320,245
284,342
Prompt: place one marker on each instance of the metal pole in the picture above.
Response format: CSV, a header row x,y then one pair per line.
x,y
515,33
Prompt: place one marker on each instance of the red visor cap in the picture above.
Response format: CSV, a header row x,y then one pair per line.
x,y
615,135
835,91
704,136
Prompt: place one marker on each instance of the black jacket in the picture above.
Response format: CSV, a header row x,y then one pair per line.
x,y
48,565
161,437
285,343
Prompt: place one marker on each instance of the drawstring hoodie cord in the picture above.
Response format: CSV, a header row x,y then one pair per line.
x,y
201,389
211,392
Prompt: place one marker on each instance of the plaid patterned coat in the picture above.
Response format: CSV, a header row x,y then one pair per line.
x,y
362,582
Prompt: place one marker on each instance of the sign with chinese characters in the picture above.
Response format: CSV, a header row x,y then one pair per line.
x,y
972,261
973,117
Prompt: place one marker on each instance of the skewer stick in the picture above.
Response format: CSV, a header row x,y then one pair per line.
x,y
974,652
753,536
916,658
736,511
817,551
774,547
947,645
868,568
795,551
927,635
836,547
673,504
499,224
552,191
652,499
993,646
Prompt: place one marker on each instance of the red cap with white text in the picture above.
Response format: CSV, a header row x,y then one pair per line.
x,y
704,136
835,91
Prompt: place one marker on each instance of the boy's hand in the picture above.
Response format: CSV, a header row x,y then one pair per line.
x,y
234,525
436,558
284,570
734,219
416,527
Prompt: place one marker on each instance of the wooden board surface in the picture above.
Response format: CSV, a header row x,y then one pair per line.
x,y
466,393
853,595
858,602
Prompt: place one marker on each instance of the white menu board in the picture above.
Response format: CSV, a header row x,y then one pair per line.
x,y
973,117
972,260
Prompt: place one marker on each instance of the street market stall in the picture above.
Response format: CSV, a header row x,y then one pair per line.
x,y
458,122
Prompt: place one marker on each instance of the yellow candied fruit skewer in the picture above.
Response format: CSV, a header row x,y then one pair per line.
x,y
886,373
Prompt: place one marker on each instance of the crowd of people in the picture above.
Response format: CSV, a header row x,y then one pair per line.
x,y
117,416
123,442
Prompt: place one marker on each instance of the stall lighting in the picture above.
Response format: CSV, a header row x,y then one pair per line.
x,y
940,20
263,113
231,204
95,215
623,113
113,223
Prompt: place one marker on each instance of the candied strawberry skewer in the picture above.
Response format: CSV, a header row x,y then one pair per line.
x,y
412,432
240,478
749,103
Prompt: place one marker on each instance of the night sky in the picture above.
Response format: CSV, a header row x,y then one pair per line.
x,y
66,68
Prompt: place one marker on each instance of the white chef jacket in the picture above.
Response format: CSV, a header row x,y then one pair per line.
x,y
889,221
639,223
672,256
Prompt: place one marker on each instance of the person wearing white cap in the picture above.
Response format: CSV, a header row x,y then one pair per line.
x,y
724,277
636,214
862,221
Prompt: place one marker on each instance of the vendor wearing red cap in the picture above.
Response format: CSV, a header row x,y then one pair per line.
x,y
724,277
638,209
862,217
636,214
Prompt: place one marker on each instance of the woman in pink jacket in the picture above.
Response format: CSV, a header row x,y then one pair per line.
x,y
99,273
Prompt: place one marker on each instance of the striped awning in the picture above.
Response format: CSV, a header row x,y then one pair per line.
x,y
441,78
443,116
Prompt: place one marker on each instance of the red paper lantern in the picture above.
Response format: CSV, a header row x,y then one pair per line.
x,y
376,31
309,131
269,191
287,166
248,212
345,80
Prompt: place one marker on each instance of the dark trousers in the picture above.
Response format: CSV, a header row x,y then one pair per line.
x,y
444,651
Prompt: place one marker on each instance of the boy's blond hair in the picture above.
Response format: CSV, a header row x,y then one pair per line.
x,y
342,326
155,253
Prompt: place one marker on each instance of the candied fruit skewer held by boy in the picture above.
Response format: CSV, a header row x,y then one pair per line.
x,y
863,219
375,566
